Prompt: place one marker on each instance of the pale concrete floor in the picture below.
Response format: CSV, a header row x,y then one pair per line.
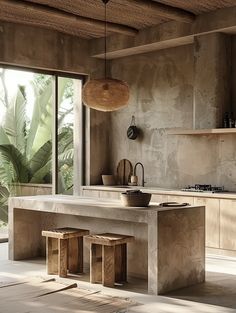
x,y
217,295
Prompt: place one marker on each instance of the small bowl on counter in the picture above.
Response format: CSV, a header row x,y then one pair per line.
x,y
135,198
108,180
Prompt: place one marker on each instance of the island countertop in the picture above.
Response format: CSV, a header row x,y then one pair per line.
x,y
89,207
169,245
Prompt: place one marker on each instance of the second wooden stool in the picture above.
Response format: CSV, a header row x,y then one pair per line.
x,y
108,258
64,250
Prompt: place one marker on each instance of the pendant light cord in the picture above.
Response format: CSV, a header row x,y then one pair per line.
x,y
105,40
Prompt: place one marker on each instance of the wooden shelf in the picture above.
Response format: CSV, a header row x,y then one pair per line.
x,y
178,131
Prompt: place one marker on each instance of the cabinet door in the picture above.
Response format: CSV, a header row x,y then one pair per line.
x,y
109,194
159,198
212,209
180,199
228,224
90,193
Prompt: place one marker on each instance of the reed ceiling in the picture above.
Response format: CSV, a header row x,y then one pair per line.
x,y
84,18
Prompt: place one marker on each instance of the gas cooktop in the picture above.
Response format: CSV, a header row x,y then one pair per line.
x,y
204,188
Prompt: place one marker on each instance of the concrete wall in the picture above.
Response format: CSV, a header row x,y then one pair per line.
x,y
162,95
45,49
212,79
233,85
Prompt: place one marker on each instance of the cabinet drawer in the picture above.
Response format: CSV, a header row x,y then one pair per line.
x,y
90,193
212,209
159,198
228,224
109,194
180,199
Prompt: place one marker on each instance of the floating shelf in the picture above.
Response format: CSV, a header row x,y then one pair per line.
x,y
177,131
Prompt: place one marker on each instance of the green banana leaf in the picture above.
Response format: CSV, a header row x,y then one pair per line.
x,y
43,155
4,194
41,122
18,161
15,121
6,171
4,140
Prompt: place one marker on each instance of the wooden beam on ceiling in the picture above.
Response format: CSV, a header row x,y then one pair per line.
x,y
39,15
165,11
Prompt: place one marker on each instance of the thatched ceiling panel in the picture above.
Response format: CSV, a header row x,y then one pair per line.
x,y
127,16
118,11
199,6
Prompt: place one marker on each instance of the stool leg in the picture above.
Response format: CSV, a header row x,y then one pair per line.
x,y
108,266
121,263
62,257
52,255
95,263
75,259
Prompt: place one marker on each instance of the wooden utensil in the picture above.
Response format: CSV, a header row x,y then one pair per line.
x,y
124,171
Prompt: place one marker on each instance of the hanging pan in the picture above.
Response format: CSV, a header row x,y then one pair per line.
x,y
132,131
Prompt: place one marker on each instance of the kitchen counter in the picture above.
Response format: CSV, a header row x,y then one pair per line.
x,y
164,191
169,242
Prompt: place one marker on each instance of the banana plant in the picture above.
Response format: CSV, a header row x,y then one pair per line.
x,y
26,146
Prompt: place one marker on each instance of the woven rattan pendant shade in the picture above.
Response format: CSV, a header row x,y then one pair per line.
x,y
105,94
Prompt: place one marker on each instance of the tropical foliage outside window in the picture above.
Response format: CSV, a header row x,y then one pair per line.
x,y
26,106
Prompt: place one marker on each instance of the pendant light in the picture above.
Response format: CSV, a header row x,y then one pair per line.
x,y
105,94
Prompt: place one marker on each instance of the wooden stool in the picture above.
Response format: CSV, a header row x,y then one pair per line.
x,y
108,258
64,250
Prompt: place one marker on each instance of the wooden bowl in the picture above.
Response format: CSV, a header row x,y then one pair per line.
x,y
136,199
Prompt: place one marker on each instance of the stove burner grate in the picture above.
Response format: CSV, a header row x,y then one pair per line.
x,y
204,188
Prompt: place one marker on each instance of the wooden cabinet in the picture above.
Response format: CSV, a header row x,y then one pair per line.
x,y
159,198
228,224
90,193
212,209
101,194
109,194
180,199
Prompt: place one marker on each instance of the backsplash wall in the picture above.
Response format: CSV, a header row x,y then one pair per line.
x,y
161,85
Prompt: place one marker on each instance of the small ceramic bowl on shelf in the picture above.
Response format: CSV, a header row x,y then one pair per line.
x,y
108,180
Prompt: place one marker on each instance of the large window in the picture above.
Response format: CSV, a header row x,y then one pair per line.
x,y
69,131
40,130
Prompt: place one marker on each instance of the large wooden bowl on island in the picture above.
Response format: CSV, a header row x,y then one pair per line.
x,y
135,198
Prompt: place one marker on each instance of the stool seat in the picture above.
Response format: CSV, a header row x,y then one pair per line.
x,y
108,258
109,239
64,250
65,233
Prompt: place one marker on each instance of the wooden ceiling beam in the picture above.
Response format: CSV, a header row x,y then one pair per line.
x,y
165,11
162,10
39,15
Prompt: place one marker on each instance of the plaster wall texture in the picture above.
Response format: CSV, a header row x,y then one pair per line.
x,y
212,79
233,83
162,93
46,49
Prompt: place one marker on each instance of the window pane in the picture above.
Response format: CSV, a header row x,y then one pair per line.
x,y
69,134
65,135
25,134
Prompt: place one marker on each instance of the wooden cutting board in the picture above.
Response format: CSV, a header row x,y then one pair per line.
x,y
124,171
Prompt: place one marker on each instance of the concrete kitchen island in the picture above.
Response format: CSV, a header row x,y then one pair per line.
x,y
169,247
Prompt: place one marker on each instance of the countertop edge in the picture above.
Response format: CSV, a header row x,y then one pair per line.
x,y
162,191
